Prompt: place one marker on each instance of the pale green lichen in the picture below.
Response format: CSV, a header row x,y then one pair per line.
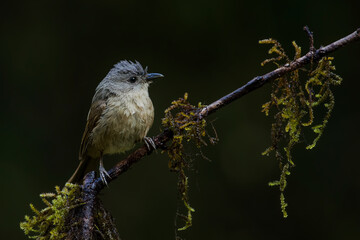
x,y
294,105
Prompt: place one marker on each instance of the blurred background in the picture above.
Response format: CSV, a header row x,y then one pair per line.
x,y
54,53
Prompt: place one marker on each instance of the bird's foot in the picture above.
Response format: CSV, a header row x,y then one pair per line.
x,y
149,142
103,173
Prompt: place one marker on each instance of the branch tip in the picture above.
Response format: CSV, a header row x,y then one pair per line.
x,y
311,38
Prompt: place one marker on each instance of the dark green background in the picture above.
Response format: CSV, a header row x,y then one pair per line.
x,y
54,53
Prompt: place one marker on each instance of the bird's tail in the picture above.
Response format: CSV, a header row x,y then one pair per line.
x,y
86,165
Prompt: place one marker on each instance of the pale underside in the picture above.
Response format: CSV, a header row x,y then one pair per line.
x,y
125,120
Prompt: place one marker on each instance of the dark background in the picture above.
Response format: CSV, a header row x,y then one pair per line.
x,y
54,53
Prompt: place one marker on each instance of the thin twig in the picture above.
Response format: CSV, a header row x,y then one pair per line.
x,y
311,48
311,38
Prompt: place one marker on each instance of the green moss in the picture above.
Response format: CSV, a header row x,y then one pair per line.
x,y
183,119
62,218
294,108
49,223
324,78
277,49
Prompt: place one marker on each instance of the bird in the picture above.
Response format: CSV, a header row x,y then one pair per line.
x,y
120,115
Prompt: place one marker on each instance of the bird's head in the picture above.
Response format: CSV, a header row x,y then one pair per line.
x,y
127,76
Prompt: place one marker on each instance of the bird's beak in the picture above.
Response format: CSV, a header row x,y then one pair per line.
x,y
151,76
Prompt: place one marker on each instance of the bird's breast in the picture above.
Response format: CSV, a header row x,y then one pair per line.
x,y
125,121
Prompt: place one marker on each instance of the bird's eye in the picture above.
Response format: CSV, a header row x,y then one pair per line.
x,y
132,79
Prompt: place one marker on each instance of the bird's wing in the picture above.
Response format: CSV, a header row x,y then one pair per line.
x,y
95,112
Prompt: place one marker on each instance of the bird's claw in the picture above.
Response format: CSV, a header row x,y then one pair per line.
x,y
149,142
103,173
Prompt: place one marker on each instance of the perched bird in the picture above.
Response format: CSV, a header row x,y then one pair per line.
x,y
120,115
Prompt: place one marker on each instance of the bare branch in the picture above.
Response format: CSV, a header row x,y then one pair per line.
x,y
125,164
89,198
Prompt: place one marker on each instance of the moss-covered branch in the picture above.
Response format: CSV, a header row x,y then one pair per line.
x,y
255,83
90,217
259,81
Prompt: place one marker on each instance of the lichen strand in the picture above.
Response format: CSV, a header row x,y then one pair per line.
x,y
49,223
294,108
183,120
63,218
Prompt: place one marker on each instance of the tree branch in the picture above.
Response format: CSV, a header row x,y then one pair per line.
x,y
257,82
92,186
134,157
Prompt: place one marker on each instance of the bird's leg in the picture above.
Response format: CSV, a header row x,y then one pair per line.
x,y
149,142
102,171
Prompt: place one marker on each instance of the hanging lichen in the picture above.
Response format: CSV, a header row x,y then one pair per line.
x,y
183,120
295,108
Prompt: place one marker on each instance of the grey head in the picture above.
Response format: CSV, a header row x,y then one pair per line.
x,y
124,77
